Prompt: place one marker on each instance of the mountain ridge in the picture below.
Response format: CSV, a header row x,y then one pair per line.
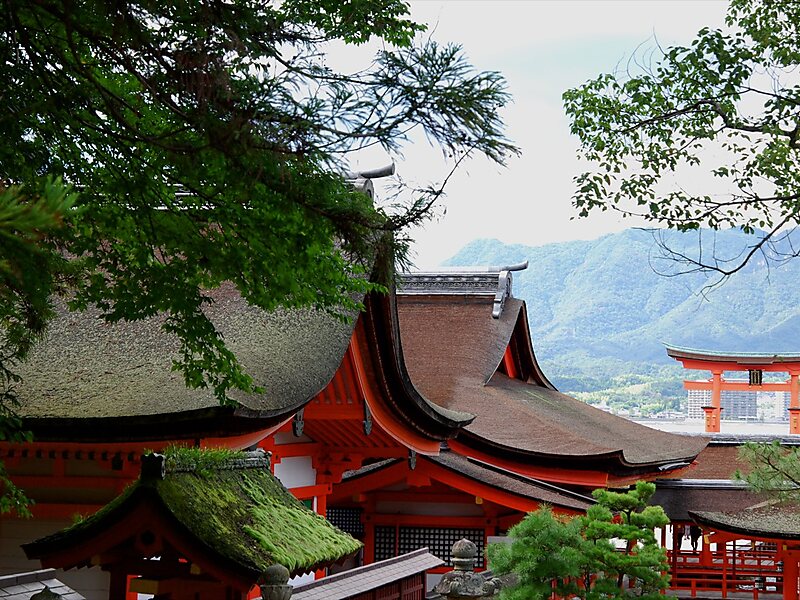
x,y
600,312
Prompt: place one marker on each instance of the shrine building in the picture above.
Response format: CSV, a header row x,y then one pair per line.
x,y
423,420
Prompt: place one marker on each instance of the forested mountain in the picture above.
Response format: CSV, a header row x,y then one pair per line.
x,y
599,310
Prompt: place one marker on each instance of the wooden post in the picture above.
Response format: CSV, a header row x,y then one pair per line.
x,y
794,403
790,573
118,585
712,423
676,548
369,543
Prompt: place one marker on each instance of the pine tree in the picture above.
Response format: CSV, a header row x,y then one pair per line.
x,y
611,552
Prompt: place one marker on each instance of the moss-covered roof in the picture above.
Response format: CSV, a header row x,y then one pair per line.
x,y
86,368
767,521
230,505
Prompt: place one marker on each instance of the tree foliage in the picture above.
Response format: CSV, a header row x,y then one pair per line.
x,y
579,557
154,150
204,142
30,266
773,470
706,135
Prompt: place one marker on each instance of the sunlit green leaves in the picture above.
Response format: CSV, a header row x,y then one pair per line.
x,y
206,140
726,105
579,557
773,469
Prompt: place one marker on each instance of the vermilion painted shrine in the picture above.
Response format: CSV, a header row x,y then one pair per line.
x,y
424,420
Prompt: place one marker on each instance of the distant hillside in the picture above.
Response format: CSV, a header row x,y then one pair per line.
x,y
599,312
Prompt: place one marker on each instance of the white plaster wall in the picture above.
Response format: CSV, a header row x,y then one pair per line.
x,y
296,471
301,579
92,583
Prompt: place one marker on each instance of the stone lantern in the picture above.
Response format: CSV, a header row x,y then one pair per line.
x,y
275,583
463,582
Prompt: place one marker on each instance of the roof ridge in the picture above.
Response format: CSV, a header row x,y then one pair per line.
x,y
526,479
494,281
192,460
350,573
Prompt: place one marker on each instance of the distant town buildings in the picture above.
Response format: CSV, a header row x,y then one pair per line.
x,y
741,405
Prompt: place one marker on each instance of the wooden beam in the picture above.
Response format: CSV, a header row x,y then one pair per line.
x,y
738,386
311,491
588,478
382,416
428,520
426,497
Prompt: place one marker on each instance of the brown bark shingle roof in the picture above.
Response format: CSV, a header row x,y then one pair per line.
x,y
520,485
453,348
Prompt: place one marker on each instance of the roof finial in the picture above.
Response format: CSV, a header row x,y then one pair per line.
x,y
504,281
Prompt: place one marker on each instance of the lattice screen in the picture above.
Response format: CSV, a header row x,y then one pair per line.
x,y
347,519
439,540
384,542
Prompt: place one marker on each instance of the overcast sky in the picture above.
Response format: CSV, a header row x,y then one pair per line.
x,y
542,48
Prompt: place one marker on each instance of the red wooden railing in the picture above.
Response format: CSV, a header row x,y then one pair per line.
x,y
727,569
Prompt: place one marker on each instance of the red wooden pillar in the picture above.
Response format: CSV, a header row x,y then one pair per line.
x,y
322,505
118,584
790,575
676,542
713,412
794,402
705,551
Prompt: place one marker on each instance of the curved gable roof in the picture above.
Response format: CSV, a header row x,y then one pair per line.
x,y
453,350
765,521
235,515
89,380
96,375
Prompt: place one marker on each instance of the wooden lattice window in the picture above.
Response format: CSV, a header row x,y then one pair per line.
x,y
439,541
385,542
347,519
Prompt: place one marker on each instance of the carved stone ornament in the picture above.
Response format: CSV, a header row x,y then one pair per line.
x,y
298,423
275,583
463,582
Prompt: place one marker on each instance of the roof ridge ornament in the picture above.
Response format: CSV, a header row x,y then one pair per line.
x,y
504,281
362,180
496,280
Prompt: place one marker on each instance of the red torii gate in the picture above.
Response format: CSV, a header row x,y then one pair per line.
x,y
753,362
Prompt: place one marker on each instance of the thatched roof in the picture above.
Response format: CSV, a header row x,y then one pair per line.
x,y
230,506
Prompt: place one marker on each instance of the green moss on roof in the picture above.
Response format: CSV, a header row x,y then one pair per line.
x,y
233,505
249,517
